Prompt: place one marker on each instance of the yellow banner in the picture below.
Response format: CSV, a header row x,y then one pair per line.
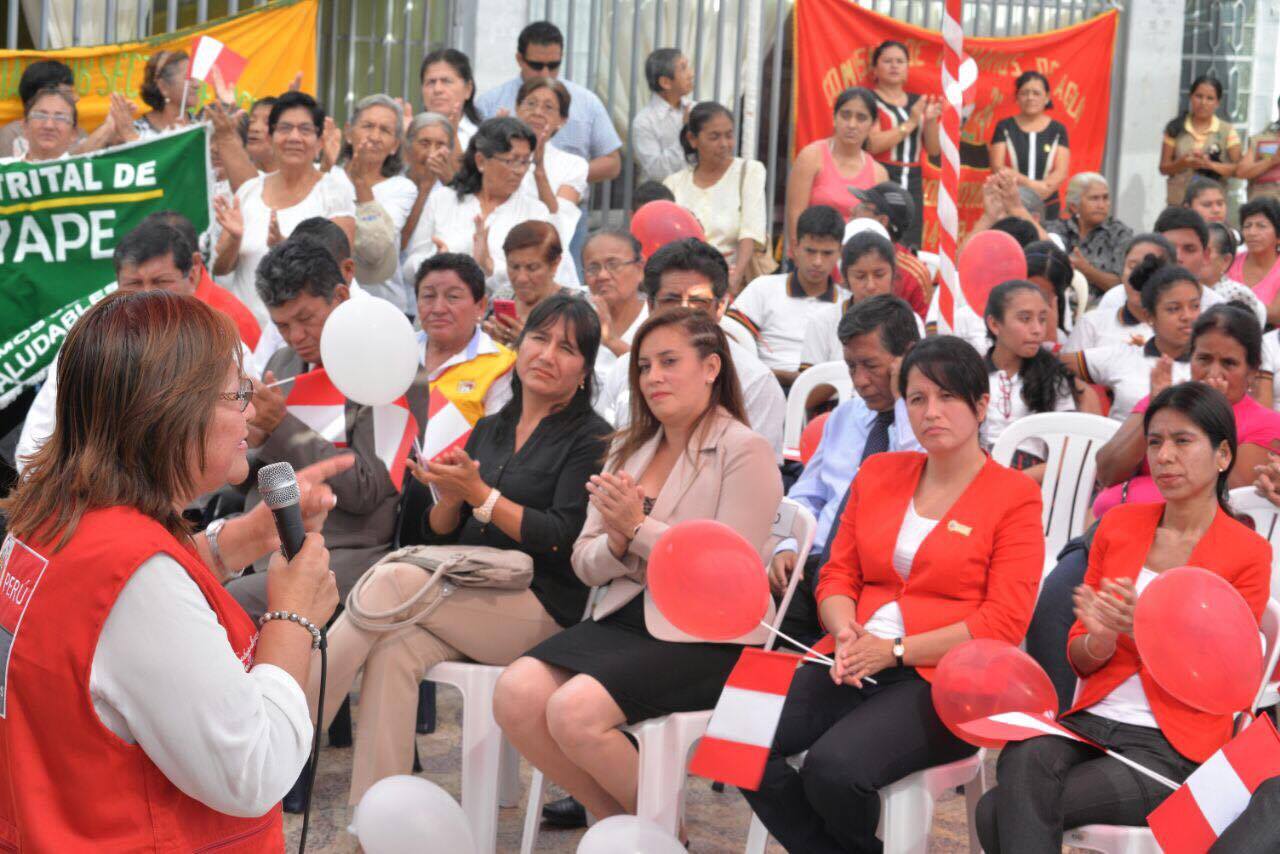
x,y
279,40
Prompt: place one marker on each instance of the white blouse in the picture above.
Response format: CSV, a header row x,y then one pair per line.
x,y
164,677
329,198
1126,370
1007,406
731,209
1128,702
887,622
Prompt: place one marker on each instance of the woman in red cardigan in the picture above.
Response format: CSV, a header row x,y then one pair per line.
x,y
932,549
1051,784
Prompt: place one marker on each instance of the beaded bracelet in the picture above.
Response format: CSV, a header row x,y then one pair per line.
x,y
293,618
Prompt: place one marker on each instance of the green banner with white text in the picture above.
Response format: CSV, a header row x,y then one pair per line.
x,y
60,221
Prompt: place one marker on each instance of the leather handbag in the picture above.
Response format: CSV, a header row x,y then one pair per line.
x,y
448,566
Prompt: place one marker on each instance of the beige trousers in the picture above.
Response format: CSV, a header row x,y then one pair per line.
x,y
477,624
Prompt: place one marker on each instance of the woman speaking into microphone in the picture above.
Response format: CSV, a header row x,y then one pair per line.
x,y
140,708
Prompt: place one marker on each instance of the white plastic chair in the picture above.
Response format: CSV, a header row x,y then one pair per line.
x,y
1080,286
932,261
1246,501
1073,439
834,374
1114,839
666,742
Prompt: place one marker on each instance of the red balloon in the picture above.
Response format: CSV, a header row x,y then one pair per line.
x,y
708,580
984,677
989,258
1199,640
811,436
660,222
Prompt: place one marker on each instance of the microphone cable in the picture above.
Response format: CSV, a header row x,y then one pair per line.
x,y
315,742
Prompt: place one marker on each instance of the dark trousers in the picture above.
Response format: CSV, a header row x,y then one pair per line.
x,y
1052,619
1257,829
859,741
801,619
1049,785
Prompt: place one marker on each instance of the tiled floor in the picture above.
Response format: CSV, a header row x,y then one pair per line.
x,y
717,823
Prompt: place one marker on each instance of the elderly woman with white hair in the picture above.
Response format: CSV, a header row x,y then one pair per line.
x,y
372,161
1093,238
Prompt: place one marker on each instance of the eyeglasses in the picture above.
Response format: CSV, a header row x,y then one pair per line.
x,y
542,66
613,265
244,395
700,303
56,118
515,164
306,130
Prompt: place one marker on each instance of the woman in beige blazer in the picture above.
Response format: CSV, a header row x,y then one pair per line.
x,y
687,454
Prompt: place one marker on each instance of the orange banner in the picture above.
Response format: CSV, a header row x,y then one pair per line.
x,y
834,43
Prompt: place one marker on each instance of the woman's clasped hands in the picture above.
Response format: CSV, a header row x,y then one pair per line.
x,y
1106,614
859,654
620,502
455,476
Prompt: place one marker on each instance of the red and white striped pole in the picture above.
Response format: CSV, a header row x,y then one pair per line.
x,y
949,140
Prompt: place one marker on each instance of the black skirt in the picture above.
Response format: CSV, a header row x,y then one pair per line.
x,y
645,676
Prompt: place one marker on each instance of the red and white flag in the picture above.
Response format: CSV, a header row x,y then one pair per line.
x,y
447,427
315,401
394,429
738,738
1015,726
209,53
1191,819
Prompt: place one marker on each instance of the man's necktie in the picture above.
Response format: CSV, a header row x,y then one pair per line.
x,y
878,437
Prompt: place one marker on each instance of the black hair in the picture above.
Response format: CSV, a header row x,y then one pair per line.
x,y
1234,320
539,32
618,234
296,100
461,64
1176,216
890,316
1168,253
158,67
1046,260
175,220
327,233
1197,185
863,243
861,93
650,191
1268,207
585,326
1178,123
661,63
1045,379
885,45
691,255
1155,282
1222,240
702,112
1026,77
1019,229
1209,410
296,266
952,364
464,266
267,101
820,221
154,239
493,137
44,74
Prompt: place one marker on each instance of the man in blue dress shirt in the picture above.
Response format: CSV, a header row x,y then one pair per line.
x,y
875,335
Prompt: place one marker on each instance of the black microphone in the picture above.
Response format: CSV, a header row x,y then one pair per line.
x,y
280,492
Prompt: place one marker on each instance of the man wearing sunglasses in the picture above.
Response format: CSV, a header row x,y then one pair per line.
x,y
588,132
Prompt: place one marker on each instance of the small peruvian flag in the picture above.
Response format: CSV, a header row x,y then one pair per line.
x,y
447,427
316,402
394,429
746,716
209,53
1191,819
1015,726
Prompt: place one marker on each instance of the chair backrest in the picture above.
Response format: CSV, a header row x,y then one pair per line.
x,y
834,374
1080,285
1073,439
793,520
1271,631
930,260
1246,501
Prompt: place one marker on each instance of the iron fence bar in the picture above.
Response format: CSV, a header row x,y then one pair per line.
x,y
737,66
775,107
699,86
628,178
75,22
568,41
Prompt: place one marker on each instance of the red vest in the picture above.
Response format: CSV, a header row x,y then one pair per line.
x,y
67,783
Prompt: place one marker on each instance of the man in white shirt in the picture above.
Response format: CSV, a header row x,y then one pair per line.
x,y
780,307
692,273
655,131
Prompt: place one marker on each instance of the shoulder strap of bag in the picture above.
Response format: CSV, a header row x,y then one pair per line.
x,y
376,621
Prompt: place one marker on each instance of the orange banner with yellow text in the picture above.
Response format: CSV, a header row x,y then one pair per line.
x,y
834,43
279,41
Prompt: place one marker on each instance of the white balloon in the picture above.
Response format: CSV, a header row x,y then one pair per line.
x,y
855,226
404,814
628,834
369,351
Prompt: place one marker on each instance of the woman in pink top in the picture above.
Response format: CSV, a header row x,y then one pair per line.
x,y
1259,267
1226,351
827,171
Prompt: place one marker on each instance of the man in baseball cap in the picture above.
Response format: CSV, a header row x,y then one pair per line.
x,y
892,206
